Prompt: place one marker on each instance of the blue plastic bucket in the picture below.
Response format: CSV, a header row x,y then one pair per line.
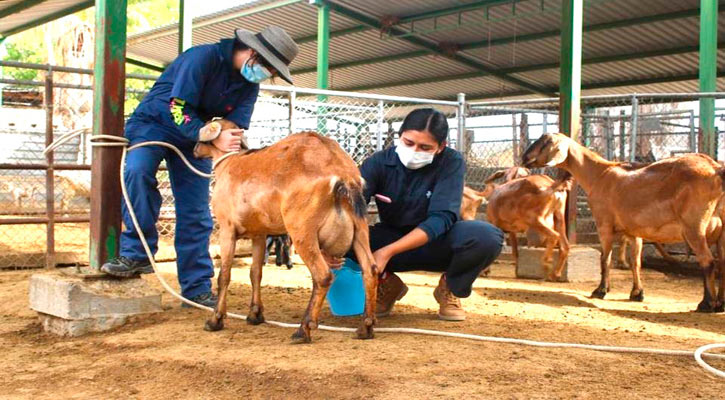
x,y
347,293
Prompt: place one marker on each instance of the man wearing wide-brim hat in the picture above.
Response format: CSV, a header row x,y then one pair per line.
x,y
206,81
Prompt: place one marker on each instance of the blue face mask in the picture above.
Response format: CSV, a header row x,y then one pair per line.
x,y
255,73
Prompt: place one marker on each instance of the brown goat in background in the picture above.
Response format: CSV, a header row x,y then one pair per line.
x,y
472,199
533,202
668,201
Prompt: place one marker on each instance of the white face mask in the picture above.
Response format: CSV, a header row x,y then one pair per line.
x,y
413,159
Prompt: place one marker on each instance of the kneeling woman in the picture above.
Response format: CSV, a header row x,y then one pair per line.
x,y
418,187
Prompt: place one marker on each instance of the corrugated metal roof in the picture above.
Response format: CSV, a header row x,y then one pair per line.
x,y
513,33
36,12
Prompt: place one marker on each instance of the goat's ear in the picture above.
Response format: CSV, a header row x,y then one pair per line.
x,y
227,124
559,152
203,150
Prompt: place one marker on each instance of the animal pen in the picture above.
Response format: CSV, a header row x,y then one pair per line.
x,y
38,232
634,81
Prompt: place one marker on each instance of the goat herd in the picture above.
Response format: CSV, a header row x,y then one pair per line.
x,y
308,187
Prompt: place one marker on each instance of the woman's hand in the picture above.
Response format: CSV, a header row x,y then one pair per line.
x,y
229,140
333,262
382,256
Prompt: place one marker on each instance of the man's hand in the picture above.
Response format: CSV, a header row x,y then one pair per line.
x,y
382,256
229,140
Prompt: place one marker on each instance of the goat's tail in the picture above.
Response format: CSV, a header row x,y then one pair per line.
x,y
496,175
563,183
349,192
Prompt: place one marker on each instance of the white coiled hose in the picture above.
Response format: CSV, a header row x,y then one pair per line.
x,y
116,141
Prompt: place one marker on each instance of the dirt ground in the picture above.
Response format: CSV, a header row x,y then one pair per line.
x,y
168,355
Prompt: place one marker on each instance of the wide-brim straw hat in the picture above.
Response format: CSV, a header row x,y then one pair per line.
x,y
274,45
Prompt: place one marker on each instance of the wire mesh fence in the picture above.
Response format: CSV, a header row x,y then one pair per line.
x,y
361,124
491,135
634,128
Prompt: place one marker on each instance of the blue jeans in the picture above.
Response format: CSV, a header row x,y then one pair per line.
x,y
462,252
193,218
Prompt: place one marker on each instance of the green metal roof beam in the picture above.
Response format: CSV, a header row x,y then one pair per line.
x,y
16,8
453,10
433,48
340,32
376,60
532,68
410,18
646,81
50,17
144,64
590,28
506,40
599,85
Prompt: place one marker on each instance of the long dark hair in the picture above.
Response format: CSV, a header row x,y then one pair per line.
x,y
429,120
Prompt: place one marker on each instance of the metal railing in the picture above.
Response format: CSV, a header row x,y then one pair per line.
x,y
637,127
44,213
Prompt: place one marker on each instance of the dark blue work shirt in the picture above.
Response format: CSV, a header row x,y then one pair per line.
x,y
205,80
428,198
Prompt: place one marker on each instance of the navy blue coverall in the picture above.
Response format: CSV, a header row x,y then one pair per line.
x,y
204,81
429,198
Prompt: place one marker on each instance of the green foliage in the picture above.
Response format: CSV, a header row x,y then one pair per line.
x,y
142,15
17,53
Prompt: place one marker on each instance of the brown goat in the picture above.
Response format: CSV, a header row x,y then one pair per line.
x,y
714,232
308,187
667,201
533,202
472,199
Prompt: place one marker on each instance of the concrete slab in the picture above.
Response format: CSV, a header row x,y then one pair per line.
x,y
89,305
79,327
582,264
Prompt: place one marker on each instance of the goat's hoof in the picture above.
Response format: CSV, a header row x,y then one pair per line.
x,y
255,319
365,332
706,307
599,293
720,308
553,278
637,297
300,336
211,326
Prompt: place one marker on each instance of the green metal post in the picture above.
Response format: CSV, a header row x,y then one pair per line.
x,y
708,72
108,99
570,88
570,69
184,26
323,59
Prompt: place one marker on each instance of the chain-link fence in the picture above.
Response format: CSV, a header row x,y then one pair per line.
x,y
491,135
53,101
642,128
360,123
34,232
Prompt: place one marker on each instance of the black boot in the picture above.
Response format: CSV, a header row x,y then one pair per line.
x,y
123,267
205,299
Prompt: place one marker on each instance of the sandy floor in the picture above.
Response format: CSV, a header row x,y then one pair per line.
x,y
169,355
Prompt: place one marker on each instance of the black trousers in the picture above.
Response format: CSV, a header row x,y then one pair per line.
x,y
462,252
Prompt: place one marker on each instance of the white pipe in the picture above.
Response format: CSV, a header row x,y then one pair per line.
x,y
123,142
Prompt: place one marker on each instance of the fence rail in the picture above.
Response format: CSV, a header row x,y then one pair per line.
x,y
44,206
